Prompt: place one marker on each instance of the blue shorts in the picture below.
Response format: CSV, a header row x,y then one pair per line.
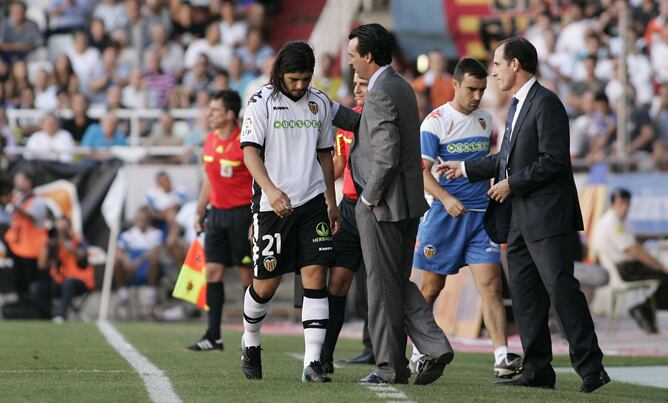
x,y
140,275
445,244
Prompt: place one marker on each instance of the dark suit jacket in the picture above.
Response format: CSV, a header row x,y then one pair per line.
x,y
544,200
385,159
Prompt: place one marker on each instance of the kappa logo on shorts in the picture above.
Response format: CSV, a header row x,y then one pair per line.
x,y
322,230
313,107
429,251
270,263
493,248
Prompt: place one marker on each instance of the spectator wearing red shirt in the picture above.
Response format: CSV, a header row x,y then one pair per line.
x,y
227,188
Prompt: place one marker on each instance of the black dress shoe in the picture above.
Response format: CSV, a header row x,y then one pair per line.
x,y
529,383
364,358
432,369
373,378
594,381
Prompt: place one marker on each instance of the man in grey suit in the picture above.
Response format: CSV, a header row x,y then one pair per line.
x,y
387,171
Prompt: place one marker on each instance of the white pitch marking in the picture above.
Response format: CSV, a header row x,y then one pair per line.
x,y
158,385
382,391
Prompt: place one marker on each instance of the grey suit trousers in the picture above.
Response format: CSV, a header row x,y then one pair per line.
x,y
396,306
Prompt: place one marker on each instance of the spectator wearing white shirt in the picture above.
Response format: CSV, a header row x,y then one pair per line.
x,y
135,95
640,72
659,56
612,239
84,58
138,257
51,143
163,202
572,35
210,45
232,31
46,94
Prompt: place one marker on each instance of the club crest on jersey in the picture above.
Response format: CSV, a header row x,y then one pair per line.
x,y
483,124
270,263
429,251
313,107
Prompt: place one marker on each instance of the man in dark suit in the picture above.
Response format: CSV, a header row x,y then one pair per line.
x,y
534,208
386,168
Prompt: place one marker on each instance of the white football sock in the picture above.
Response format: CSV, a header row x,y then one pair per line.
x,y
499,354
254,313
315,315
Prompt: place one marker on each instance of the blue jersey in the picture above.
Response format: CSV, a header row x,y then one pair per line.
x,y
453,136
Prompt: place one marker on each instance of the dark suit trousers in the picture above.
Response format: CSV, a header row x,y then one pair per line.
x,y
542,271
396,306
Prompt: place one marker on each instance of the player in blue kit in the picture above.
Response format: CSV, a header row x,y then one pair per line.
x,y
451,234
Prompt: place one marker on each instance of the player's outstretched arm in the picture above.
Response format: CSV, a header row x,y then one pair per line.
x,y
279,201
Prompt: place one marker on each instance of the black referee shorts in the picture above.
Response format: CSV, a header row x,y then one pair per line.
x,y
285,245
347,249
226,241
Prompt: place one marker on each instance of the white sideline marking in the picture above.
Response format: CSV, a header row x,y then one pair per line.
x,y
381,391
650,375
158,385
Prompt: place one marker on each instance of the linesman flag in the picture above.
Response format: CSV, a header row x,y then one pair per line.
x,y
191,284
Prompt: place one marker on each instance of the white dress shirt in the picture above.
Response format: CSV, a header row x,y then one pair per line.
x,y
521,96
372,81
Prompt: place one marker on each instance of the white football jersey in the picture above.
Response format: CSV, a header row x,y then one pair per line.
x,y
290,134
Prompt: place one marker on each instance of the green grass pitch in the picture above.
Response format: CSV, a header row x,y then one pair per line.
x,y
44,362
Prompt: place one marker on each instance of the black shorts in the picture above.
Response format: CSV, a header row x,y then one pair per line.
x,y
226,240
347,249
285,245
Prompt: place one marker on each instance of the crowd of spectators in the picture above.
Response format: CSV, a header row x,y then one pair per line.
x,y
579,49
74,59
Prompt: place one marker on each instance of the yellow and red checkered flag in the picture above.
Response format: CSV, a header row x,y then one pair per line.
x,y
191,284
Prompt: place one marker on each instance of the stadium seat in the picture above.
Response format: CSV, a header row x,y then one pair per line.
x,y
624,294
37,13
58,44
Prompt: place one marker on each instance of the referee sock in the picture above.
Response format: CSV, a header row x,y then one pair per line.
x,y
337,312
315,315
215,298
255,310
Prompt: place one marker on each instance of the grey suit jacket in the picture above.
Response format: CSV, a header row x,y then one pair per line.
x,y
385,159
